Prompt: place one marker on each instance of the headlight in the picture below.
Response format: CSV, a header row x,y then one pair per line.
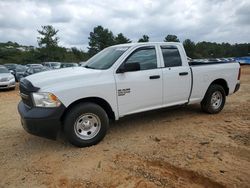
x,y
45,100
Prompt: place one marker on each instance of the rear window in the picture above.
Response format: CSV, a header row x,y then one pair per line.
x,y
171,56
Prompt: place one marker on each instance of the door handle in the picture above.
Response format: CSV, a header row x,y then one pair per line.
x,y
183,73
154,77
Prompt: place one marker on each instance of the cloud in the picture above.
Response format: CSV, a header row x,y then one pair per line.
x,y
210,20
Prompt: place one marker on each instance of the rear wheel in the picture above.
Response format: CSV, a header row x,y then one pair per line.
x,y
86,124
214,99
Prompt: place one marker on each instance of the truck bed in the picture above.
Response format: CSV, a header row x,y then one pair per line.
x,y
194,63
204,73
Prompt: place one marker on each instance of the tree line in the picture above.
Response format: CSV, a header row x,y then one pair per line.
x,y
100,38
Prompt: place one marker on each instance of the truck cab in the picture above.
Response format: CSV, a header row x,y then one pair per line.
x,y
163,78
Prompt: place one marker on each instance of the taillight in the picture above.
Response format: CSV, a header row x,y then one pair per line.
x,y
239,73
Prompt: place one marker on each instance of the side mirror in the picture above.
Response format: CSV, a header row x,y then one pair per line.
x,y
129,67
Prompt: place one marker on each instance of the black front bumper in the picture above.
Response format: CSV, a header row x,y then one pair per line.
x,y
44,122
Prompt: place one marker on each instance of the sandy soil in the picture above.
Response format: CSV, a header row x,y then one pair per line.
x,y
180,147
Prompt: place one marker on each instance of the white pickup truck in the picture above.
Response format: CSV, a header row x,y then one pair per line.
x,y
118,81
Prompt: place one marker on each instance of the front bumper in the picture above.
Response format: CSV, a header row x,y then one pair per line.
x,y
44,122
8,84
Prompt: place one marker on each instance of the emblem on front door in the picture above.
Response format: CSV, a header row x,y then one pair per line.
x,y
122,92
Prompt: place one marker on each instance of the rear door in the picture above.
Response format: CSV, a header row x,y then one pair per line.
x,y
140,90
176,76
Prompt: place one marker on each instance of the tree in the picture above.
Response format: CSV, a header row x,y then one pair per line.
x,y
171,38
145,38
99,39
48,43
48,36
189,48
79,55
121,39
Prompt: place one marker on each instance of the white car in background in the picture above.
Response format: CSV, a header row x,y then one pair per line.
x,y
52,65
7,80
82,63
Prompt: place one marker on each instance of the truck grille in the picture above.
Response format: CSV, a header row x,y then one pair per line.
x,y
26,88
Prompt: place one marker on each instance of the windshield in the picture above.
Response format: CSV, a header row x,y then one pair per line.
x,y
38,69
34,65
106,58
21,68
10,66
69,65
55,64
3,70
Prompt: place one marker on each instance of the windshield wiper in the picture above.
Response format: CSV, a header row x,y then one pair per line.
x,y
88,67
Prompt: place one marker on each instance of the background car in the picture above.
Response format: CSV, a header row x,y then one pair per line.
x,y
19,72
34,65
52,65
7,80
11,67
82,63
36,69
65,65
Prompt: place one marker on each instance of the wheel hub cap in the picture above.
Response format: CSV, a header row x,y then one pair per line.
x,y
216,99
87,126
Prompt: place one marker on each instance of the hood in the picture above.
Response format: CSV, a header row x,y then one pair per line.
x,y
5,75
54,77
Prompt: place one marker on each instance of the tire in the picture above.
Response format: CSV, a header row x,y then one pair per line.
x,y
86,124
214,99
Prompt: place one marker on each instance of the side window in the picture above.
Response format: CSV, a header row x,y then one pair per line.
x,y
146,57
171,56
29,70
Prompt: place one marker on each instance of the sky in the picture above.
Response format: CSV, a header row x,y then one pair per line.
x,y
198,20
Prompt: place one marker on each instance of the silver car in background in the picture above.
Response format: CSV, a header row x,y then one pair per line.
x,y
7,80
52,65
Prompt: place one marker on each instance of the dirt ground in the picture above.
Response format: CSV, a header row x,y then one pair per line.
x,y
180,147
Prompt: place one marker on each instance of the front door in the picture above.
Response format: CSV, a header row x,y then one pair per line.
x,y
140,90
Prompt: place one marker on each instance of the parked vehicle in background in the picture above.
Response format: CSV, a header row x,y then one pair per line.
x,y
11,67
214,60
224,59
118,81
7,80
34,65
243,60
189,59
52,65
65,65
19,72
82,63
35,69
231,59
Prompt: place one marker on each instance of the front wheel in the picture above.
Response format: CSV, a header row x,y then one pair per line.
x,y
214,99
86,124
